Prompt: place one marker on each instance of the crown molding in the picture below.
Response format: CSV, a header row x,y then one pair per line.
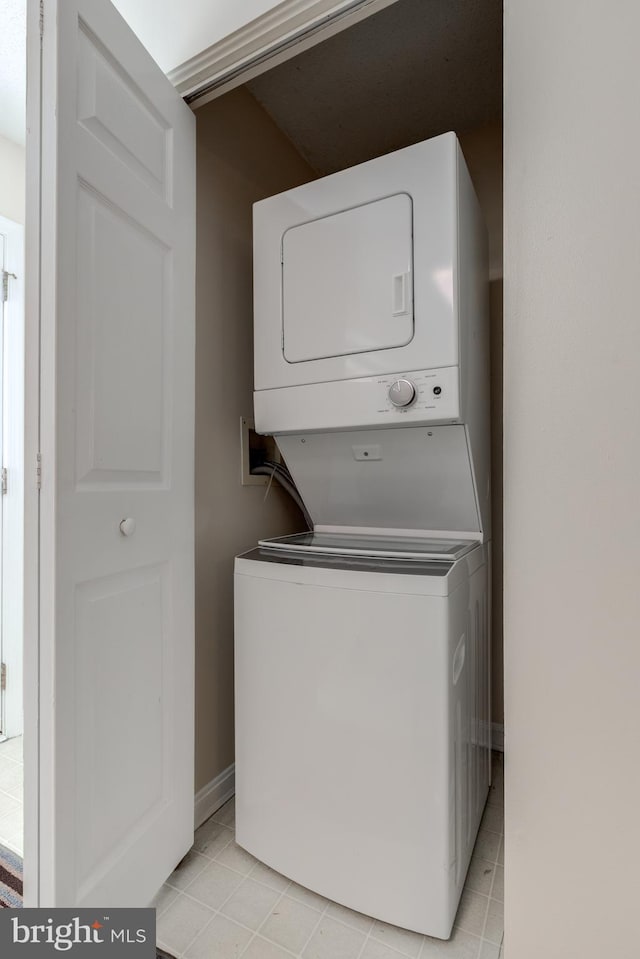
x,y
277,35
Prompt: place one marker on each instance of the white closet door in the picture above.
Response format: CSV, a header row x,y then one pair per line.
x,y
116,633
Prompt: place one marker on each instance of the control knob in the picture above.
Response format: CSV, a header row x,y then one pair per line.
x,y
402,393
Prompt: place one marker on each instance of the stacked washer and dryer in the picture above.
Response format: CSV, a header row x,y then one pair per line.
x,y
362,646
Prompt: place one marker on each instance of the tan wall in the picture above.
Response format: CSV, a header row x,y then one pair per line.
x,y
572,479
12,173
482,149
241,157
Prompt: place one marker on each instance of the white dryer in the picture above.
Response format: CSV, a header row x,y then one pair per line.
x,y
362,647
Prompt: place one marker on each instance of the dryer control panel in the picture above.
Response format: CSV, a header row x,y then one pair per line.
x,y
403,398
429,392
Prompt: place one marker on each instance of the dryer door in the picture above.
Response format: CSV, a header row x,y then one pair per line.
x,y
347,281
356,274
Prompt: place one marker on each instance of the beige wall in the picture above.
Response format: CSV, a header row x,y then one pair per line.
x,y
241,157
572,479
482,150
11,180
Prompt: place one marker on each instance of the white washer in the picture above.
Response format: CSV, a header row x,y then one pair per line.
x,y
362,720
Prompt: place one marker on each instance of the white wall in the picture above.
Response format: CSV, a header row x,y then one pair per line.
x,y
572,478
174,32
11,180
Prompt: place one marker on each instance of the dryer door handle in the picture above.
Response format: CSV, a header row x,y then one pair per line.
x,y
401,288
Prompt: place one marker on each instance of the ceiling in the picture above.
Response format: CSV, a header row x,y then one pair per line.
x,y
345,100
416,69
13,69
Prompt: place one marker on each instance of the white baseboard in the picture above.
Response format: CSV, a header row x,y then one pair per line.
x,y
215,794
497,737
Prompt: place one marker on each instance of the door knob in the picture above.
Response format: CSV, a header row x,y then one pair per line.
x,y
128,526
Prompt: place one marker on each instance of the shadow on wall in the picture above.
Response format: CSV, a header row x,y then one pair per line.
x,y
241,157
497,675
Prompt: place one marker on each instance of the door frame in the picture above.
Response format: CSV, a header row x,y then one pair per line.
x,y
31,559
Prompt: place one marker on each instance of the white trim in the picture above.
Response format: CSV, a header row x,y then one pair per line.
x,y
31,651
497,737
12,525
280,33
215,794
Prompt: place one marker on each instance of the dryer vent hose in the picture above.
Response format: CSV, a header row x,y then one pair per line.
x,y
279,472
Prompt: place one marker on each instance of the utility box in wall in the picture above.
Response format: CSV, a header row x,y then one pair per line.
x,y
255,450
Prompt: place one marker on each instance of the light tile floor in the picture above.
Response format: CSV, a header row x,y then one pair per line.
x,y
221,903
11,803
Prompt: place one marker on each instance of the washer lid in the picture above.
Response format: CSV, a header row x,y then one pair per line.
x,y
398,479
389,547
349,563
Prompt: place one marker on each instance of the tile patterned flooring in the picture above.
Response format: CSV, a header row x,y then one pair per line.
x,y
221,903
11,804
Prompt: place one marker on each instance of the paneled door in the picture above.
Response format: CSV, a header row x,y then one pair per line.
x,y
111,184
